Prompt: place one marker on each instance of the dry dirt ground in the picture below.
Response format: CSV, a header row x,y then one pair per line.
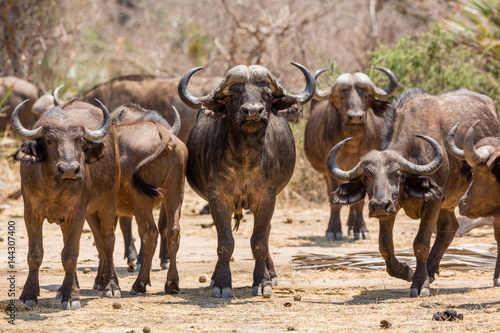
x,y
341,300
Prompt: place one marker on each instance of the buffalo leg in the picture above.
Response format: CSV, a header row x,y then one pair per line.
x,y
496,230
447,226
421,246
149,237
356,223
334,230
171,208
31,289
103,223
221,278
271,270
96,232
260,246
71,230
162,226
386,248
128,240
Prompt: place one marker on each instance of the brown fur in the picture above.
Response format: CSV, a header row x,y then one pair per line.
x,y
150,152
431,198
327,125
22,90
90,195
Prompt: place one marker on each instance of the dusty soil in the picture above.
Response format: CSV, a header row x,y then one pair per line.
x,y
331,300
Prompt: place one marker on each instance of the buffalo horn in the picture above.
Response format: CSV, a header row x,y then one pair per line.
x,y
105,126
323,94
389,91
473,156
188,99
307,94
55,94
334,169
18,128
452,147
428,168
177,122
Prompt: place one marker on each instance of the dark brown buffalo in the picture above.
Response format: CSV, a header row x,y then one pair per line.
x,y
483,195
153,167
416,175
127,114
152,93
241,155
347,109
70,171
21,91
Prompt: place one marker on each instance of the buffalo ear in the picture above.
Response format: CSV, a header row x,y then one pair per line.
x,y
348,193
29,151
380,107
93,151
215,108
421,187
494,165
286,106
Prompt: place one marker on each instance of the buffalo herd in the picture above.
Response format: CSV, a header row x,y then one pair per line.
x,y
230,139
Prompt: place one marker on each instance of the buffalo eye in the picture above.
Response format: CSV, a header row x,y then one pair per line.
x,y
48,142
343,94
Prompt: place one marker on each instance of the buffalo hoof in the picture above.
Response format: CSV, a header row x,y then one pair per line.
x,y
172,288
274,281
165,265
496,282
425,292
226,292
334,236
263,289
30,303
350,233
138,288
410,274
71,305
132,264
112,293
205,210
362,235
98,287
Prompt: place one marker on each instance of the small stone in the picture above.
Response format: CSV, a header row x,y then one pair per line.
x,y
146,329
297,298
232,258
385,323
87,270
117,305
1,239
287,304
288,221
202,279
290,328
266,296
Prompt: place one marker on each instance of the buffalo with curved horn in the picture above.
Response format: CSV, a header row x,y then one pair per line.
x,y
415,175
69,173
349,108
241,155
484,159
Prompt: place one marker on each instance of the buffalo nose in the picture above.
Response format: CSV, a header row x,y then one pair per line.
x,y
356,117
68,170
252,108
380,207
